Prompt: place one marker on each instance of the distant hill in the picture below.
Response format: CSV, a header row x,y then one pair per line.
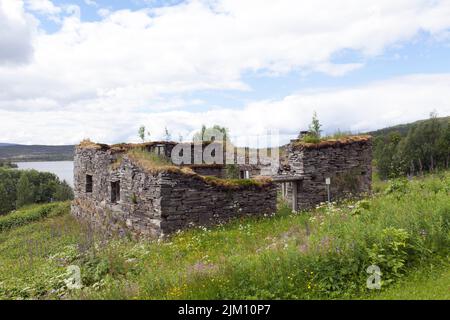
x,y
7,144
402,128
12,152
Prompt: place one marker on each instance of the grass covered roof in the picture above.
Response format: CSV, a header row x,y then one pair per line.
x,y
332,142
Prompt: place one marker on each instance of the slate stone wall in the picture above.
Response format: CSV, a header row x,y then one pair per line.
x,y
154,204
190,201
349,165
138,212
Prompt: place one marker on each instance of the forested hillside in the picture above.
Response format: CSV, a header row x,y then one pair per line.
x,y
423,146
403,129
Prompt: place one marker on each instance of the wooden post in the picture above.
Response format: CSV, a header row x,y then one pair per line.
x,y
328,182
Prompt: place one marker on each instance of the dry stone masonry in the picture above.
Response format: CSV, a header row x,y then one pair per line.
x,y
118,196
346,162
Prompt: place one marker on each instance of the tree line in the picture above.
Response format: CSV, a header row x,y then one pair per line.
x,y
7,164
19,188
425,148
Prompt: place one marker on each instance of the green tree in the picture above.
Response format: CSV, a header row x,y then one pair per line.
x,y
426,147
141,133
25,192
4,206
215,132
167,134
24,187
315,126
389,159
63,192
9,179
443,146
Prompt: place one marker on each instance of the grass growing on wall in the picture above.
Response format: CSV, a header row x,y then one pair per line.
x,y
321,254
149,160
237,183
155,163
311,141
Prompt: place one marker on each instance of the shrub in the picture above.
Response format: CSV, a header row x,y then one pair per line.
x,y
232,171
390,254
397,187
30,214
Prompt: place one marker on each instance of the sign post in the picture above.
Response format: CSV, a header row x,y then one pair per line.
x,y
328,182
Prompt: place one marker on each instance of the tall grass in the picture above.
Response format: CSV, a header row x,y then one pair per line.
x,y
322,254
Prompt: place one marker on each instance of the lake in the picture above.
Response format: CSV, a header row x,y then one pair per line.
x,y
63,169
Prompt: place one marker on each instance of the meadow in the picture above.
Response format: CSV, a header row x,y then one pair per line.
x,y
403,228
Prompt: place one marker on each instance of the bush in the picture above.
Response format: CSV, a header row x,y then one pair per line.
x,y
30,214
390,254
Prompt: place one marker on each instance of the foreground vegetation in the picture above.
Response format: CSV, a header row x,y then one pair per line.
x,y
430,282
404,229
31,214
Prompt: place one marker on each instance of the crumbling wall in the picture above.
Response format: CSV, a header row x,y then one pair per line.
x,y
188,201
138,212
218,171
154,203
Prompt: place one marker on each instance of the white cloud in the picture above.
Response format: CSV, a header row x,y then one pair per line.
x,y
131,63
103,12
398,100
91,3
45,7
16,30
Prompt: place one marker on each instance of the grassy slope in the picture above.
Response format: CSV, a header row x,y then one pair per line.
x,y
429,282
286,256
25,267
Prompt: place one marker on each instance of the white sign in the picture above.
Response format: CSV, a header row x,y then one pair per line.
x,y
328,181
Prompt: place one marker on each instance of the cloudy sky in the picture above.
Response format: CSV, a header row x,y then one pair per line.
x,y
98,69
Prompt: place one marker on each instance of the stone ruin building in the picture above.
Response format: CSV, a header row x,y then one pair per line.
x,y
121,192
304,169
